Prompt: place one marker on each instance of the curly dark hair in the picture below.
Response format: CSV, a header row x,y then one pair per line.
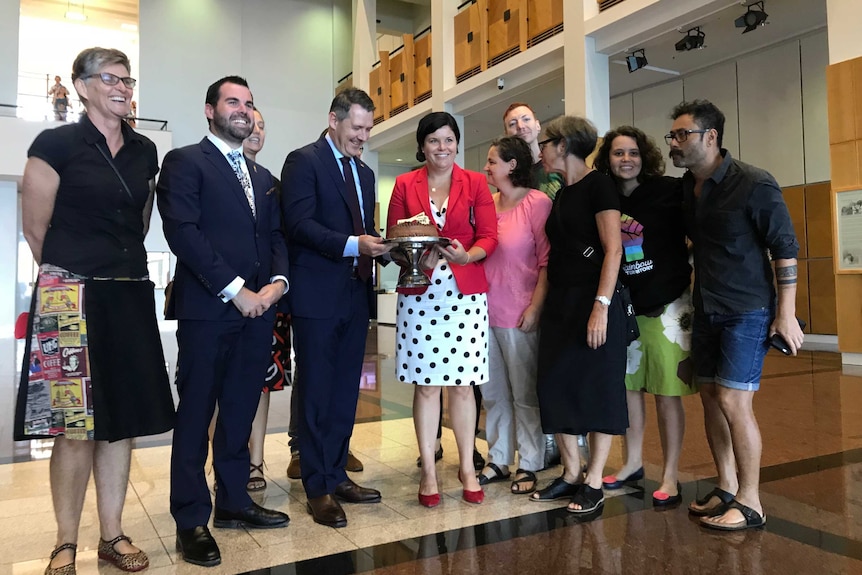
x,y
514,148
579,135
652,161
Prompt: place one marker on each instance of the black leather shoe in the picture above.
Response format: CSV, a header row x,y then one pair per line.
x,y
198,547
348,491
253,516
326,510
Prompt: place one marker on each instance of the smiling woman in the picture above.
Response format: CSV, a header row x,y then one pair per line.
x,y
87,195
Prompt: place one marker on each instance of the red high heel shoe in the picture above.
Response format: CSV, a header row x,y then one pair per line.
x,y
429,501
471,496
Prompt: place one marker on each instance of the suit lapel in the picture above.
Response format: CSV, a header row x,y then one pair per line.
x,y
333,167
456,191
420,188
217,159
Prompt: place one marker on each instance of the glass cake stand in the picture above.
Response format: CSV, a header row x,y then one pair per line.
x,y
408,253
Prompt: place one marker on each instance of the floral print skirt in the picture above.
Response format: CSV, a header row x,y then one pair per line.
x,y
658,361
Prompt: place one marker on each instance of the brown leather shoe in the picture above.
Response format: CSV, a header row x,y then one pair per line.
x,y
353,465
348,491
326,510
293,469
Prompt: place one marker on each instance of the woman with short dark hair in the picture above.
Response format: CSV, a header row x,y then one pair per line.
x,y
581,381
87,196
442,330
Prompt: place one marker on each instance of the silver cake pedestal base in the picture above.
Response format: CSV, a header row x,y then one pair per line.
x,y
408,253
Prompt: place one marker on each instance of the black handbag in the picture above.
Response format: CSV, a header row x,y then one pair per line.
x,y
622,290
597,257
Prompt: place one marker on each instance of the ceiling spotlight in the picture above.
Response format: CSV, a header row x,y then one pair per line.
x,y
752,19
636,60
693,40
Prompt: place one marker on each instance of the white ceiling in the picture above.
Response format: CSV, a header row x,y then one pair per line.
x,y
100,13
787,19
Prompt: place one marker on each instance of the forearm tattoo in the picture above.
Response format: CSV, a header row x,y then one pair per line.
x,y
786,275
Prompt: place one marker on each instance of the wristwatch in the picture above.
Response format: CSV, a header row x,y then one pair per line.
x,y
603,300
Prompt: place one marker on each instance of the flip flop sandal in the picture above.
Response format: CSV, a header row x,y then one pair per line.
x,y
724,496
751,519
589,498
256,483
498,475
529,477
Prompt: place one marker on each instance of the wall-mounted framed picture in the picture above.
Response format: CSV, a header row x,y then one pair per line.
x,y
847,216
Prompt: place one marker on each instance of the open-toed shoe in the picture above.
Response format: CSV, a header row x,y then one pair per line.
x,y
485,479
558,489
698,507
751,519
256,483
588,498
524,478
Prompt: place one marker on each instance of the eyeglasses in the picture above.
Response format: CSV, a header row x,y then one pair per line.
x,y
681,135
543,143
109,79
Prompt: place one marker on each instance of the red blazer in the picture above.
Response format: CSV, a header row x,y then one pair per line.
x,y
470,218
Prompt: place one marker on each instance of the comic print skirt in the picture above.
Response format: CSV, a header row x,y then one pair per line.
x,y
93,364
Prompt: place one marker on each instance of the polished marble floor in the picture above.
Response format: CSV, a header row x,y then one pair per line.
x,y
810,413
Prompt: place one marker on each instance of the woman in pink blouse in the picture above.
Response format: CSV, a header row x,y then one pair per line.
x,y
517,280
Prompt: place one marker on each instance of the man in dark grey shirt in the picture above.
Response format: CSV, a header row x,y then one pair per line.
x,y
736,218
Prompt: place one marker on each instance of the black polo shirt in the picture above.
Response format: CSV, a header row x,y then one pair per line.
x,y
739,220
96,228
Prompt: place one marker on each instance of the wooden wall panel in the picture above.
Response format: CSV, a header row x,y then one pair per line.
x,y
376,92
794,197
845,165
398,80
503,34
821,296
857,94
543,15
469,38
803,311
842,109
422,66
848,296
818,218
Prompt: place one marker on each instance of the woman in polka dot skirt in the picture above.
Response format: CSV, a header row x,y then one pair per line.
x,y
442,330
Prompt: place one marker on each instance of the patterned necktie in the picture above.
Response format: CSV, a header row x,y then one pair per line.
x,y
244,180
363,261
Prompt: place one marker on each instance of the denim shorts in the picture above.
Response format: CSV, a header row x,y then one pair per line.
x,y
728,349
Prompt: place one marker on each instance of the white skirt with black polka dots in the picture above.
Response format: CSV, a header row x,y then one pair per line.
x,y
442,335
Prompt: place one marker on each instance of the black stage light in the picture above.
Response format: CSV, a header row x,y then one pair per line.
x,y
693,40
636,60
752,18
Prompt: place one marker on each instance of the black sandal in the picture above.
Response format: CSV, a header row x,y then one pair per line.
x,y
558,489
589,498
498,475
723,496
255,483
529,477
68,569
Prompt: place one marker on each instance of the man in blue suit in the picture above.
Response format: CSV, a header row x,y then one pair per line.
x,y
221,219
328,203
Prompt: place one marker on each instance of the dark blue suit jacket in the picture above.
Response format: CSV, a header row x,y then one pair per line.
x,y
209,226
318,221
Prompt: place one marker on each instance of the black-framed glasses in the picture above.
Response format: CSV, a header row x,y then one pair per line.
x,y
544,143
681,135
109,79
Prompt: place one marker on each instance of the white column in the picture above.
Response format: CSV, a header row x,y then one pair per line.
x,y
8,283
842,20
9,21
442,50
364,41
587,88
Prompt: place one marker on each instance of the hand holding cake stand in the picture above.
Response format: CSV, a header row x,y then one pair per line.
x,y
408,252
